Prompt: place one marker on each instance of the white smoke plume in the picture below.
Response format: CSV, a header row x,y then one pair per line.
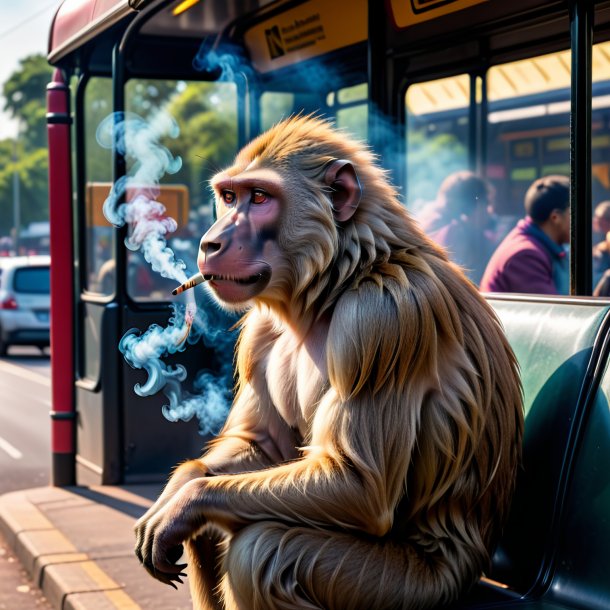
x,y
132,201
139,141
209,405
144,351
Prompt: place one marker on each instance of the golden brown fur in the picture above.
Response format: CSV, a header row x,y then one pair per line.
x,y
377,422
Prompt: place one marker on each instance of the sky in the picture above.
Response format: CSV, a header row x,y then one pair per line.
x,y
24,30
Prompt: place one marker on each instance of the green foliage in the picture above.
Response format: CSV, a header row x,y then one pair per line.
x,y
355,120
206,114
274,107
7,167
98,105
27,84
145,96
31,170
25,93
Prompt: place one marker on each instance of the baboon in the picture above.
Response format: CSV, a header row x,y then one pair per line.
x,y
370,455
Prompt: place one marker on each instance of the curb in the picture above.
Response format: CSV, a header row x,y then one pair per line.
x,y
68,578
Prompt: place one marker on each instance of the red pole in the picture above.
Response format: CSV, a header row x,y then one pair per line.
x,y
62,282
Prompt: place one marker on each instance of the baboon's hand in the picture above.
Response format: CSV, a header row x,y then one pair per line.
x,y
159,539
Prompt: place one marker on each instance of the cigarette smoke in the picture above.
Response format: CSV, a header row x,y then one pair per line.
x,y
224,61
209,404
139,141
132,201
146,351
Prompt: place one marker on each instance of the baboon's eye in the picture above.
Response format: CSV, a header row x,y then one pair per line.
x,y
259,196
228,196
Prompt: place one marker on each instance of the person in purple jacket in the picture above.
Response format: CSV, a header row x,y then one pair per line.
x,y
531,258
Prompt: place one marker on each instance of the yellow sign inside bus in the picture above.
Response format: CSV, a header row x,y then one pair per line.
x,y
412,12
175,198
306,31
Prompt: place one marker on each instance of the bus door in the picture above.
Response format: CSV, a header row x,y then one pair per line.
x,y
123,436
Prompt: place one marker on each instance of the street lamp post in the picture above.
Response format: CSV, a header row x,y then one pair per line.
x,y
17,97
16,195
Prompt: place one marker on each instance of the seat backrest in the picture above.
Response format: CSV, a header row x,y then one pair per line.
x,y
558,346
580,575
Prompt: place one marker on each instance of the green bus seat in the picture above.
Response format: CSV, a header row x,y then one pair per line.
x,y
553,552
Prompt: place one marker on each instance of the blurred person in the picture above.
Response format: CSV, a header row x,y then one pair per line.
x,y
462,221
6,246
532,258
601,240
140,277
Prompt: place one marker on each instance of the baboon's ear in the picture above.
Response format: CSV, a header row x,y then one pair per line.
x,y
346,190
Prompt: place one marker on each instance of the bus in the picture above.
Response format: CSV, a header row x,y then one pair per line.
x,y
510,91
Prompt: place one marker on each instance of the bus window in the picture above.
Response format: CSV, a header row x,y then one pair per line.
x,y
437,136
352,110
275,105
528,137
348,105
600,168
206,116
453,204
528,127
99,242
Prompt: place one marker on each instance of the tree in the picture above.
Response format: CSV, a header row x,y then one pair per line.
x,y
25,93
143,98
25,97
206,114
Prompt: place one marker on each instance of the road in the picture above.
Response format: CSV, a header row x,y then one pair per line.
x,y
25,456
25,425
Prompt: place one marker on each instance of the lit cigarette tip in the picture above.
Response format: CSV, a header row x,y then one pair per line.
x,y
190,283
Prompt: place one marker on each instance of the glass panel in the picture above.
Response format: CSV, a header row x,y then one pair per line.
x,y
32,280
353,118
344,103
206,114
454,205
356,93
99,239
528,145
600,159
437,136
275,106
91,356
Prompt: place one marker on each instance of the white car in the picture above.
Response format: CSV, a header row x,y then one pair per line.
x,y
24,301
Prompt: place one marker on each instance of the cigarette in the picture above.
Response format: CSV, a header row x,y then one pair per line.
x,y
193,281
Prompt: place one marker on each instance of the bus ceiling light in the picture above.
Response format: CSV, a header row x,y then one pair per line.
x,y
558,107
185,5
529,112
600,101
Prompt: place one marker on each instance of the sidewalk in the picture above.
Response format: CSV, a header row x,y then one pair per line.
x,y
77,545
